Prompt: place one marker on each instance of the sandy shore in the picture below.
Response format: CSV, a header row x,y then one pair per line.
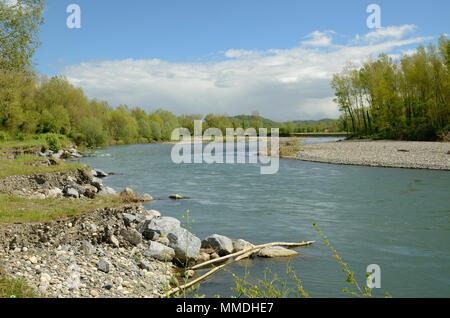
x,y
383,153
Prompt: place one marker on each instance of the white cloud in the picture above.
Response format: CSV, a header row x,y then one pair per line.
x,y
283,84
392,32
318,38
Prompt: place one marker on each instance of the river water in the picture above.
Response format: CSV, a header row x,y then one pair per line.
x,y
398,219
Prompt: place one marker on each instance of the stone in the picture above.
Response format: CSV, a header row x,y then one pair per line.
x,y
132,236
55,193
240,245
219,243
214,255
98,183
107,191
90,191
128,219
108,286
114,241
153,213
163,240
99,173
203,257
176,197
160,252
161,226
276,251
72,193
33,260
146,198
104,265
94,293
185,244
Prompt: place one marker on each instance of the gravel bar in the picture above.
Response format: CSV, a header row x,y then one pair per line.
x,y
380,153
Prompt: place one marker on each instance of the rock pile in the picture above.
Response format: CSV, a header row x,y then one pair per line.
x,y
75,184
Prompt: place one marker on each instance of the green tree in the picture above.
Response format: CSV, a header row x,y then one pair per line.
x,y
19,26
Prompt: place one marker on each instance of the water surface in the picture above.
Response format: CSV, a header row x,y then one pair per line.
x,y
396,218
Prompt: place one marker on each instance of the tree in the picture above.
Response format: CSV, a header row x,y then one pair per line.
x,y
404,99
19,26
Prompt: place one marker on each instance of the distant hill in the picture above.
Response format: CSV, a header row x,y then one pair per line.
x,y
271,123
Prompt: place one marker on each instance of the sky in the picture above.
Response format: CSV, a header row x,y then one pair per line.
x,y
229,56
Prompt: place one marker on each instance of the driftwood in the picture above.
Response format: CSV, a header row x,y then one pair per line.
x,y
251,251
239,256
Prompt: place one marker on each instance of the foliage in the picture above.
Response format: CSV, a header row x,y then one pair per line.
x,y
19,25
407,99
270,286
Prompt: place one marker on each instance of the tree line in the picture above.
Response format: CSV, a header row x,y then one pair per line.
x,y
406,99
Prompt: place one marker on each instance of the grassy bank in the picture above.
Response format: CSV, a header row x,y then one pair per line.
x,y
17,210
28,165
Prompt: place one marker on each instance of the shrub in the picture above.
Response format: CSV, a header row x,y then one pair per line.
x,y
53,142
93,132
3,136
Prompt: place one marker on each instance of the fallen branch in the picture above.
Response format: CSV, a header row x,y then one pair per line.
x,y
250,251
240,255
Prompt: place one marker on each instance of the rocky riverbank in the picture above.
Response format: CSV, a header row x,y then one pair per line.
x,y
383,153
120,251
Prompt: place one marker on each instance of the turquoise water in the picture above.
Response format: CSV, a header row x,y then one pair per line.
x,y
396,218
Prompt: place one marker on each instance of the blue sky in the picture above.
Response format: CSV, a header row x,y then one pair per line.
x,y
196,56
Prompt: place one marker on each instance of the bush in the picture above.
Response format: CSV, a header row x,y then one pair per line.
x,y
3,136
53,142
93,133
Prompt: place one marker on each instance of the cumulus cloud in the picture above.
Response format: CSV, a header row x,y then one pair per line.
x,y
282,84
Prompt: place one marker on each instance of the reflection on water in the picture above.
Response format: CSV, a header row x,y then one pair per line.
x,y
396,218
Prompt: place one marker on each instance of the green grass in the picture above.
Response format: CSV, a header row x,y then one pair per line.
x,y
15,209
12,288
23,166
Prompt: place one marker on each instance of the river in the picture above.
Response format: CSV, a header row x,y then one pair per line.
x,y
398,219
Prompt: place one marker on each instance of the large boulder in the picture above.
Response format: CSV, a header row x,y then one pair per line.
x,y
219,243
185,244
276,251
160,252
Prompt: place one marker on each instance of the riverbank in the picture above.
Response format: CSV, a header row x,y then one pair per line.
x,y
63,233
380,153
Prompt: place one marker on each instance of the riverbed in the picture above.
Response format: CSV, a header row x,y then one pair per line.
x,y
398,219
